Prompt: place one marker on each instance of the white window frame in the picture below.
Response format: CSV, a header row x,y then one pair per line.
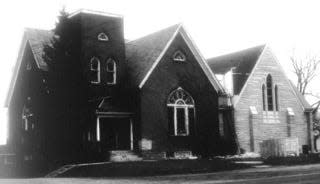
x,y
97,70
178,52
25,117
186,108
103,37
114,71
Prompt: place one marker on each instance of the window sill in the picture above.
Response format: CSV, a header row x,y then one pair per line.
x,y
95,83
181,135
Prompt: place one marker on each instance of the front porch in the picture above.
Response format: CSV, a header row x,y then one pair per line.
x,y
115,136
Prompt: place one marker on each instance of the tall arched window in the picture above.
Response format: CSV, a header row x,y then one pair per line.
x,y
269,93
276,99
95,70
111,71
181,113
263,97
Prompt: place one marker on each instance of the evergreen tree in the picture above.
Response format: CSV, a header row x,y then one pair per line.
x,y
67,89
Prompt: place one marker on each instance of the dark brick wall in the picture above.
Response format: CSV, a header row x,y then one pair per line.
x,y
252,96
168,76
91,26
29,84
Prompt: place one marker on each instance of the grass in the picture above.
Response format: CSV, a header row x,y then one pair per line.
x,y
294,160
152,168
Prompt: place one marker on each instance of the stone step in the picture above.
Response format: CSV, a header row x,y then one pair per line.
x,y
123,156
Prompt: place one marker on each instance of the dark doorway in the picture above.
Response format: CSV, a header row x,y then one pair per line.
x,y
115,133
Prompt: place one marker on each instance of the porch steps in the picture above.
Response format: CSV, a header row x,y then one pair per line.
x,y
123,156
60,171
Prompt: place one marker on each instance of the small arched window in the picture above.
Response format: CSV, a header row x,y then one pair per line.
x,y
95,70
103,37
263,97
269,93
276,98
181,113
26,118
111,72
179,56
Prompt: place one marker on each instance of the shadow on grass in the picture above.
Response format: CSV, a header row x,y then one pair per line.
x,y
153,168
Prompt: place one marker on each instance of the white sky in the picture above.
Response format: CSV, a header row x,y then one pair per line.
x,y
217,27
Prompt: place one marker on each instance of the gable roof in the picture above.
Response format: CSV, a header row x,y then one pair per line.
x,y
247,57
242,62
144,54
36,39
300,97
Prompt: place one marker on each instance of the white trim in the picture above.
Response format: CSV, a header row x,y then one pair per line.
x,y
178,52
176,105
159,57
22,49
250,76
204,65
93,12
114,71
201,60
131,134
103,37
185,108
288,81
98,129
115,113
95,70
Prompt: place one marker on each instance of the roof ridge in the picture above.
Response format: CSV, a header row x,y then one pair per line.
x,y
36,29
178,25
211,59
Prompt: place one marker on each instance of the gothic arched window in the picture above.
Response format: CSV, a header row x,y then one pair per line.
x,y
95,70
276,98
263,97
181,113
269,93
111,71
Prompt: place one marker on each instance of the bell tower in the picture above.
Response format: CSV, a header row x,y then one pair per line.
x,y
102,52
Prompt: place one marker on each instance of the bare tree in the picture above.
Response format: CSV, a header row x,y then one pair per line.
x,y
305,70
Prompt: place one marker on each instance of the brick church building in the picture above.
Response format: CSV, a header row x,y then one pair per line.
x,y
154,97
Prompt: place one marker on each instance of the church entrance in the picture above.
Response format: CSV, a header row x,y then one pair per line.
x,y
115,133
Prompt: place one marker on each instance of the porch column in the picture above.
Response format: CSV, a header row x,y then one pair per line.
x,y
131,135
98,129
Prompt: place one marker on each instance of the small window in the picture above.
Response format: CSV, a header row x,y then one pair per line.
x,y
179,56
103,37
111,72
29,66
95,70
26,115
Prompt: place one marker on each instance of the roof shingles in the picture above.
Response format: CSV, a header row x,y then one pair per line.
x,y
37,39
143,52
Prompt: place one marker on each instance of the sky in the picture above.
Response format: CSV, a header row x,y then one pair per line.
x,y
217,27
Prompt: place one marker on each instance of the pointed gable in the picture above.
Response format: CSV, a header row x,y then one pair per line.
x,y
36,39
142,53
242,63
301,98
